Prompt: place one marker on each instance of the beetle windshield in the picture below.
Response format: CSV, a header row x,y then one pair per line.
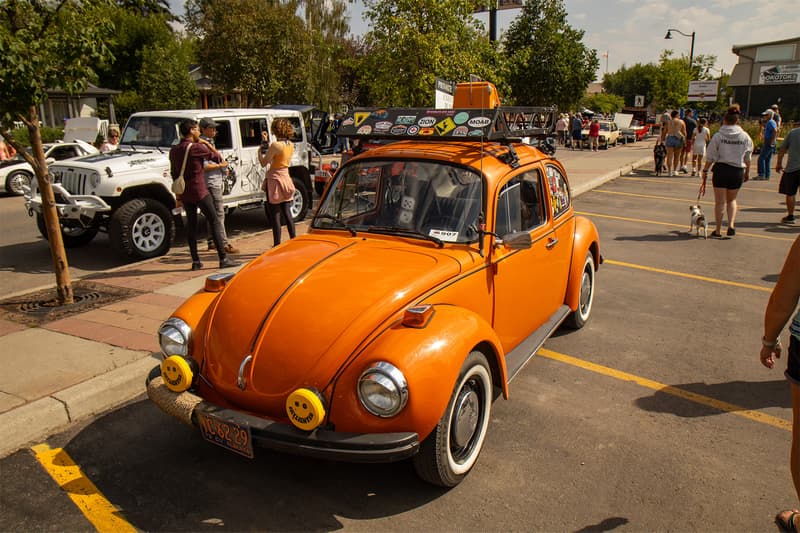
x,y
151,131
429,199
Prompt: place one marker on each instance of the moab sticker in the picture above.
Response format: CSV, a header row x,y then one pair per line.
x,y
479,122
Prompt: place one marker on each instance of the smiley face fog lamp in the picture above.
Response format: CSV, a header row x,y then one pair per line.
x,y
176,368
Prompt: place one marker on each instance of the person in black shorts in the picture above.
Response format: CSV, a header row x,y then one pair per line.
x,y
729,151
782,305
790,180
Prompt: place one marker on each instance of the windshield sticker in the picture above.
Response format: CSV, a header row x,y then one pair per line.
x,y
383,126
360,117
380,114
461,117
426,122
365,130
413,130
406,119
427,131
445,126
399,130
460,131
479,122
444,235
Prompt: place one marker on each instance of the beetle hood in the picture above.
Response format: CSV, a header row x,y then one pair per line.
x,y
304,308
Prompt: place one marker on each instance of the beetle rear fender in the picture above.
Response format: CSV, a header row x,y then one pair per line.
x,y
586,240
430,358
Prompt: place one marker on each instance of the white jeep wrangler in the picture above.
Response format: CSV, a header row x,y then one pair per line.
x,y
127,193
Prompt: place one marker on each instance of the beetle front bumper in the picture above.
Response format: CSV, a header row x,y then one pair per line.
x,y
319,443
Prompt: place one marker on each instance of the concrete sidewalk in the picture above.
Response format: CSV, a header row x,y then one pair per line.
x,y
69,369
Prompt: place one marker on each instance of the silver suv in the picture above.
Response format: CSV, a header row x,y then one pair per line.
x,y
127,192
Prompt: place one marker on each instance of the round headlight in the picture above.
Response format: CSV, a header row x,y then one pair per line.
x,y
382,390
174,336
94,179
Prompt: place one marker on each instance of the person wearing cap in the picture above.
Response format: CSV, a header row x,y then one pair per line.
x,y
768,135
775,115
214,173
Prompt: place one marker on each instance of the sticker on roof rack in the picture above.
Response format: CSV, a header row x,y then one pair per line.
x,y
498,124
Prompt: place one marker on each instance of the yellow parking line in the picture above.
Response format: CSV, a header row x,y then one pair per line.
x,y
103,515
755,416
669,198
674,181
645,221
686,275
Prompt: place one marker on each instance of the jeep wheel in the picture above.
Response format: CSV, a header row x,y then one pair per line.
x,y
142,228
73,237
301,201
578,318
15,181
448,454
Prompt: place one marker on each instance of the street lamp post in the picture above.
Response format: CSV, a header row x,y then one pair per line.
x,y
691,52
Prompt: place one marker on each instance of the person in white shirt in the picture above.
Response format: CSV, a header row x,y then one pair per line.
x,y
729,150
701,137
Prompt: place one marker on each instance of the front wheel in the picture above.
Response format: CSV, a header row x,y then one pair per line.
x,y
448,454
142,228
72,237
578,318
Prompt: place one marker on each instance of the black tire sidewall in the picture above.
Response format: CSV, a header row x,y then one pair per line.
x,y
121,226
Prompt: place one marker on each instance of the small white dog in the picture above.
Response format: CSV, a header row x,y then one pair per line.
x,y
698,221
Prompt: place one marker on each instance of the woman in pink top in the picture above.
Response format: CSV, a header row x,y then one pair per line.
x,y
594,135
278,183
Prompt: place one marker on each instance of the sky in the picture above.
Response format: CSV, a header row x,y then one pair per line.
x,y
632,31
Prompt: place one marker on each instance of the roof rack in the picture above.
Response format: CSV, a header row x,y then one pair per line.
x,y
503,124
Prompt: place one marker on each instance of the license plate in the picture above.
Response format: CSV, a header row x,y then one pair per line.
x,y
229,435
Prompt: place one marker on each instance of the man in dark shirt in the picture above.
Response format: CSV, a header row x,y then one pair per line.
x,y
196,194
691,127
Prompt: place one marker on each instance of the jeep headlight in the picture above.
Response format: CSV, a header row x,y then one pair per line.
x,y
94,179
383,390
174,336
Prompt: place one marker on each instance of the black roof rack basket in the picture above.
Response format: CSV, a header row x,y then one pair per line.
x,y
503,124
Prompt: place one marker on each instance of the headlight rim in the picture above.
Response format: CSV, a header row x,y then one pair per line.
x,y
181,327
398,379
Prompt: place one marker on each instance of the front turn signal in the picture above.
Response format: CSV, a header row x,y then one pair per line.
x,y
418,317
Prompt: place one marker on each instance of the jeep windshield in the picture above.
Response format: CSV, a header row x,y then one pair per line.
x,y
151,131
423,199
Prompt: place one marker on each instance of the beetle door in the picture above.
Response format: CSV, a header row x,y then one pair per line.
x,y
526,292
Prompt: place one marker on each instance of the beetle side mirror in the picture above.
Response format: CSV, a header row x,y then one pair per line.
x,y
520,240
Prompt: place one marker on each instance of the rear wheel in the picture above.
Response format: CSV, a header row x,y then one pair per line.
x,y
578,318
448,454
73,237
142,228
301,202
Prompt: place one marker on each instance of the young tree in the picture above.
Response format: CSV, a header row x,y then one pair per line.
x,y
412,42
548,63
605,103
628,82
326,29
671,89
46,45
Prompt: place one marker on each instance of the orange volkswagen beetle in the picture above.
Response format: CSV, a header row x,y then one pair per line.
x,y
436,266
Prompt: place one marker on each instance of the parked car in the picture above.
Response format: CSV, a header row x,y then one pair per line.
x,y
16,174
127,192
609,134
436,265
635,132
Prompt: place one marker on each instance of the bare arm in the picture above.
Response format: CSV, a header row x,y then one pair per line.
x,y
782,303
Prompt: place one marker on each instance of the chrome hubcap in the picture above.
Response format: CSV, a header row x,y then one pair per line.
x,y
465,419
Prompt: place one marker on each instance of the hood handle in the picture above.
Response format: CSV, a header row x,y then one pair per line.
x,y
240,382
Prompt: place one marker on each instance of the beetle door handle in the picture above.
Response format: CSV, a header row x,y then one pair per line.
x,y
551,241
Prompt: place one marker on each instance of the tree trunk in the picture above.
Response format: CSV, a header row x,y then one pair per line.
x,y
57,251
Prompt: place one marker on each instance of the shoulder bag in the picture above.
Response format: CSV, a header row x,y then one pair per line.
x,y
179,184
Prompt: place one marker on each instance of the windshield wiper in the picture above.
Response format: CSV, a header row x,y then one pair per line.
x,y
339,221
389,230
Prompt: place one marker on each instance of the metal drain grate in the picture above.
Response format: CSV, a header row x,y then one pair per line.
x,y
40,305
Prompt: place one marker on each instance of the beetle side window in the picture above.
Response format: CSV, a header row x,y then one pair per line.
x,y
559,191
520,206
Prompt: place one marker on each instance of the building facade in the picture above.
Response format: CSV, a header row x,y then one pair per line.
x,y
767,74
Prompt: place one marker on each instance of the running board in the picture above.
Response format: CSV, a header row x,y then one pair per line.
x,y
249,206
517,358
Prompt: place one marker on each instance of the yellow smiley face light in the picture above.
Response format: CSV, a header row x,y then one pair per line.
x,y
305,408
177,373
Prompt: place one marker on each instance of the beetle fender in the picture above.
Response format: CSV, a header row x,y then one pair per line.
x,y
430,358
586,239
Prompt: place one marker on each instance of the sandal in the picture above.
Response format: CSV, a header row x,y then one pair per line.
x,y
716,234
789,524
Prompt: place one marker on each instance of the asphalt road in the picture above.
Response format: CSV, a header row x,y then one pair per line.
x,y
657,416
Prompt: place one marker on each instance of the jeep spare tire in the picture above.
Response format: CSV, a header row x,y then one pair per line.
x,y
142,228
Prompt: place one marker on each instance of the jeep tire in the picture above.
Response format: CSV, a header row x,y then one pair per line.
x,y
301,202
142,228
73,237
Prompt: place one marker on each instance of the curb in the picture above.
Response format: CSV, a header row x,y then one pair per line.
x,y
608,176
51,414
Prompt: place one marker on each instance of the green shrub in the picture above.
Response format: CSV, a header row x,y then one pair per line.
x,y
48,135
